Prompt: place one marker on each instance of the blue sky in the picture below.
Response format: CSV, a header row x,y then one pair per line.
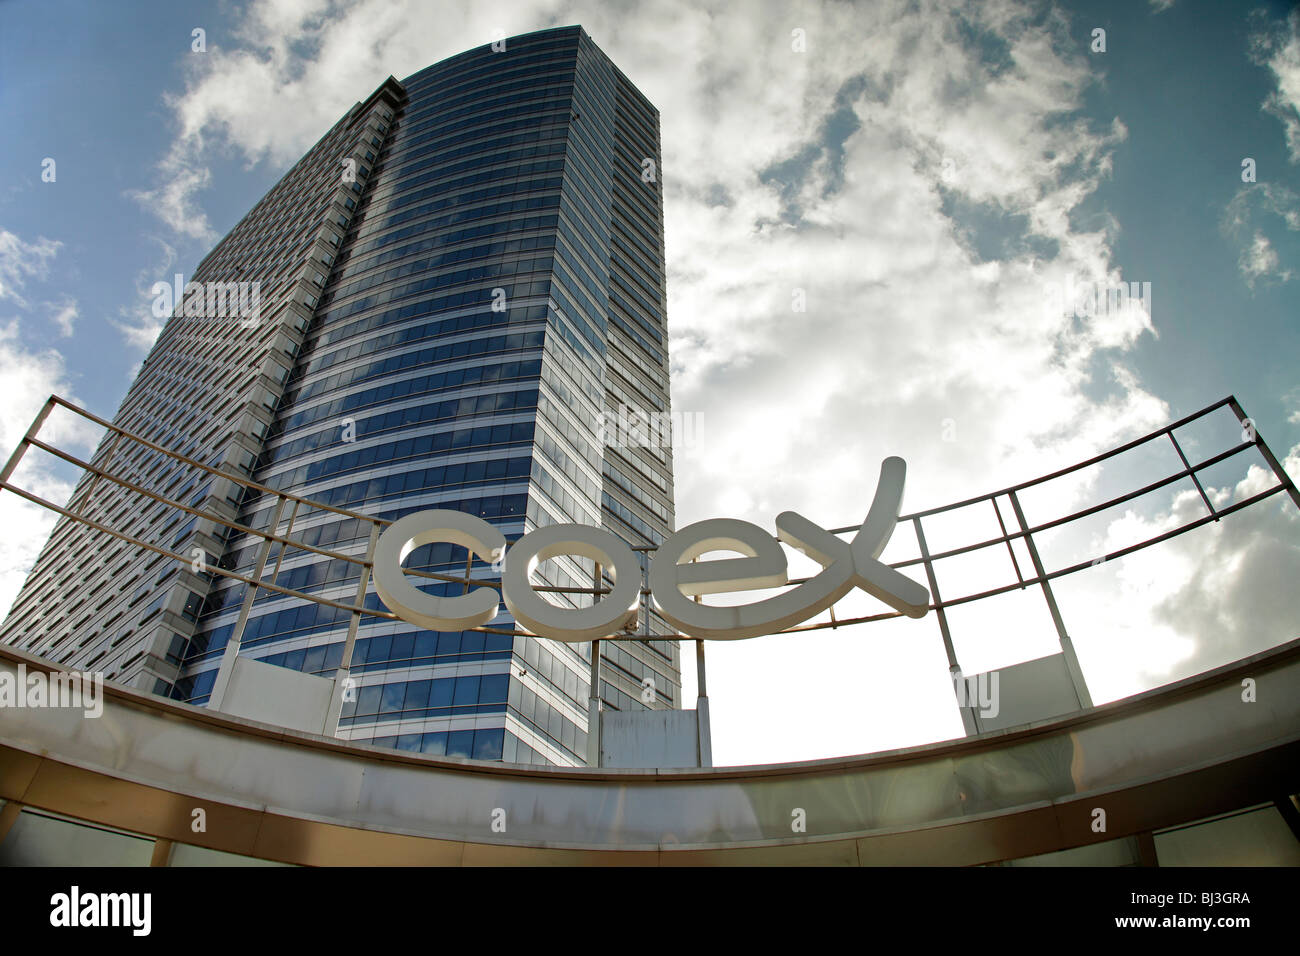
x,y
925,173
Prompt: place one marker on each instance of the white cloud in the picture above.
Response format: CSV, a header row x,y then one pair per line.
x,y
22,261
30,377
1255,206
1260,260
288,74
137,323
175,201
1160,6
141,333
1280,52
64,317
1211,596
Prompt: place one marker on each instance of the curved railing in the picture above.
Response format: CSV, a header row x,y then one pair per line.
x,y
1027,570
1038,575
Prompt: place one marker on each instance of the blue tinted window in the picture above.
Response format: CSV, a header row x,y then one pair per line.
x,y
442,691
488,744
466,690
493,688
460,743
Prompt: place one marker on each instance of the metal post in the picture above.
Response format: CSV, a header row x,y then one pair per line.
x,y
703,723
1010,550
1067,646
288,530
35,427
645,592
82,506
969,718
162,852
1267,452
593,697
345,663
344,672
1195,480
237,635
8,816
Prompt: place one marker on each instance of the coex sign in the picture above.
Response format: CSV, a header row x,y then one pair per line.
x,y
674,579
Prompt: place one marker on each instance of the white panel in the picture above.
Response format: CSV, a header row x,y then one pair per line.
x,y
649,739
279,696
1022,693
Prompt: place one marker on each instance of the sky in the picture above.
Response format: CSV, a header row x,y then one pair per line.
x,y
872,212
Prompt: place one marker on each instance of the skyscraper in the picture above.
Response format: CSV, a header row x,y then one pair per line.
x,y
440,306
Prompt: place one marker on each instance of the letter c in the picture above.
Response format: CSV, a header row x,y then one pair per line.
x,y
408,602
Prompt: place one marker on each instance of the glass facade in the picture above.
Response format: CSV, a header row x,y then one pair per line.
x,y
488,291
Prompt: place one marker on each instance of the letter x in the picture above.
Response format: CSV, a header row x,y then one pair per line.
x,y
860,558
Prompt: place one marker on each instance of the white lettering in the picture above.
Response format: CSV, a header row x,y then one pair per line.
x,y
673,576
132,910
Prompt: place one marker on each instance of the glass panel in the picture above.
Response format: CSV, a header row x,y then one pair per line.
x,y
40,839
185,855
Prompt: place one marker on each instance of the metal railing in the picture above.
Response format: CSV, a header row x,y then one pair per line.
x,y
79,507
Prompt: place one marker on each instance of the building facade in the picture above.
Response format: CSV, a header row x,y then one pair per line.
x,y
451,296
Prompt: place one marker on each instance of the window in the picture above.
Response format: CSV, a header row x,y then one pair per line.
x,y
193,603
460,743
154,607
175,649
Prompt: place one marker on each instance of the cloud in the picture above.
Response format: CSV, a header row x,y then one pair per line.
x,y
1279,51
1254,208
30,376
905,325
137,323
175,200
23,261
290,71
1260,260
1160,6
65,316
141,334
1222,592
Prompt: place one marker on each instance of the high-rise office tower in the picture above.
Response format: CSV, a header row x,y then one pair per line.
x,y
441,305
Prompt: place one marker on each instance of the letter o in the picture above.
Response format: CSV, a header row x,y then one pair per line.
x,y
408,602
572,625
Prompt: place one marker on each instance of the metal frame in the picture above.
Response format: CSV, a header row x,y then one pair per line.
x,y
1042,577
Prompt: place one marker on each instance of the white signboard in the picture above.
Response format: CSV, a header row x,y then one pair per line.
x,y
675,577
